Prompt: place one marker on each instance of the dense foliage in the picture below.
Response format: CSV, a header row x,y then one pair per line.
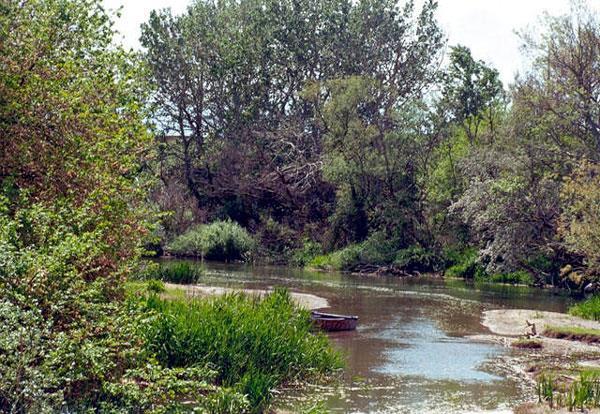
x,y
334,122
75,153
71,203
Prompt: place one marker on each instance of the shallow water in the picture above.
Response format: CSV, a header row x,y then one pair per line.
x,y
410,352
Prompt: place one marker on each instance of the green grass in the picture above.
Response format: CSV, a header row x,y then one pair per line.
x,y
580,394
589,309
177,272
254,344
572,332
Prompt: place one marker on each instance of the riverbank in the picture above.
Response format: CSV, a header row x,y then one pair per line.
x,y
561,360
302,300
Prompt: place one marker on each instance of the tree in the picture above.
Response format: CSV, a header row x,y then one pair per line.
x,y
513,199
228,80
580,219
559,96
370,156
471,93
72,148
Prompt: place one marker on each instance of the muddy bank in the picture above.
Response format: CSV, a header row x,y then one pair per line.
x,y
303,300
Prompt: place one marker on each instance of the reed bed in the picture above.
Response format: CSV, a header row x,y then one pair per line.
x,y
255,344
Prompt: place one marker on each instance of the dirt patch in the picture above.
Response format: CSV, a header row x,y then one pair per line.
x,y
303,300
527,344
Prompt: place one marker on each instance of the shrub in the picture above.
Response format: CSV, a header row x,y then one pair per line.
x,y
589,309
307,253
220,240
464,264
255,343
377,250
519,277
416,258
276,241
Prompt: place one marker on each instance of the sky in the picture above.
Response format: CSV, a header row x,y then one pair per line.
x,y
487,27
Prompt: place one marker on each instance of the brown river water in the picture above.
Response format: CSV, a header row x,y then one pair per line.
x,y
411,352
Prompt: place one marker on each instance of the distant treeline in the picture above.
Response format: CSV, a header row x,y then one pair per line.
x,y
335,121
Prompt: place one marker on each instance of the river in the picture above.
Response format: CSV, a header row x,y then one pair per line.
x,y
411,352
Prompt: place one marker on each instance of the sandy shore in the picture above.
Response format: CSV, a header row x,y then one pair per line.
x,y
303,300
507,325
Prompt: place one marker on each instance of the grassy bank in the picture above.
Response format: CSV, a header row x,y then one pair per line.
x,y
573,333
253,344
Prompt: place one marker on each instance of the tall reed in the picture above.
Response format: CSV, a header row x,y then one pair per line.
x,y
255,344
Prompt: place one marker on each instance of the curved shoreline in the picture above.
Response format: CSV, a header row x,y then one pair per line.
x,y
303,300
508,325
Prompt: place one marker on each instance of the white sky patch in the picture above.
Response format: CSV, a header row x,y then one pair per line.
x,y
485,26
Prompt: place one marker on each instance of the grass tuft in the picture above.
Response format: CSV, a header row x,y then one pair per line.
x,y
256,343
589,309
179,272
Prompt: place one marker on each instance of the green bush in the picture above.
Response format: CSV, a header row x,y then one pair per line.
x,y
417,258
345,259
307,253
463,263
588,309
377,250
255,343
220,240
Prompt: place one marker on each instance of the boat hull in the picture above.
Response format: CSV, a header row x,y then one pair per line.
x,y
332,322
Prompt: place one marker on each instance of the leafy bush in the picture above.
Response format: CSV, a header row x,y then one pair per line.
x,y
220,240
416,258
464,264
344,259
377,250
255,343
589,309
307,253
276,241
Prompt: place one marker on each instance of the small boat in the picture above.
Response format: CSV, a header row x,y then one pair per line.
x,y
331,322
